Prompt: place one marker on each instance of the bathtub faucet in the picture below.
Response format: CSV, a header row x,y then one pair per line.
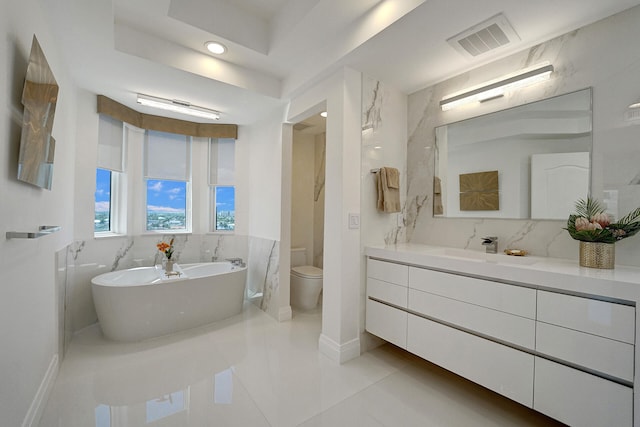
x,y
237,262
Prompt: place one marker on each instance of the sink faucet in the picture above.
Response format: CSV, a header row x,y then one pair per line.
x,y
491,244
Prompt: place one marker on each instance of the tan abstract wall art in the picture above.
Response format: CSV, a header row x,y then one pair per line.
x,y
479,191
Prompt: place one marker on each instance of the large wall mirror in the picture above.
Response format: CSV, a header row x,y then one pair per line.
x,y
531,161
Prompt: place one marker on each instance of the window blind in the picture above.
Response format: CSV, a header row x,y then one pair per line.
x,y
110,144
167,156
222,160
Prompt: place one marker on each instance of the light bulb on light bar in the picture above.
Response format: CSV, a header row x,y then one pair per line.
x,y
498,87
178,107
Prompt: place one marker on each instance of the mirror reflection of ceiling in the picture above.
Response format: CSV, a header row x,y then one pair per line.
x,y
539,151
277,49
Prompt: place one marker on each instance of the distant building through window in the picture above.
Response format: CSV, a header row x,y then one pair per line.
x,y
102,220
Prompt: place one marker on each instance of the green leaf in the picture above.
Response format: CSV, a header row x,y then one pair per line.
x,y
630,217
588,208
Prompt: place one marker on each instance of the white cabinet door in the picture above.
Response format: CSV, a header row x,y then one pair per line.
x,y
580,399
606,319
497,367
603,355
386,322
387,292
388,272
497,324
512,299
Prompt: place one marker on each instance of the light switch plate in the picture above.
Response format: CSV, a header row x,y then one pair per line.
x,y
354,220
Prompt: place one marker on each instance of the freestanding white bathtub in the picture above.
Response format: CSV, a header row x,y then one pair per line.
x,y
141,303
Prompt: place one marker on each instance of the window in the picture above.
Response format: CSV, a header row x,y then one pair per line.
x,y
110,164
224,204
166,205
167,179
221,180
102,220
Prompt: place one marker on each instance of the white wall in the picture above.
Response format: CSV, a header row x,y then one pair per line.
x,y
28,294
265,166
340,95
269,145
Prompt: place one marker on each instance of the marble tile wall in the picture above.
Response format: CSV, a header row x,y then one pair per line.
x,y
384,136
263,284
318,199
598,56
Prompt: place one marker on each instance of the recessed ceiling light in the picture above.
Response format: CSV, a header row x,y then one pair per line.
x,y
323,114
215,47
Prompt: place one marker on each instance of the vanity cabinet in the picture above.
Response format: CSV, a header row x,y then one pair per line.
x,y
565,354
387,301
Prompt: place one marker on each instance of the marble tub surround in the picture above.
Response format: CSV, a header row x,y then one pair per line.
x,y
85,259
263,274
578,63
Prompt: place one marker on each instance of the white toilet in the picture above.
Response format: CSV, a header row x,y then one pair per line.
x,y
306,281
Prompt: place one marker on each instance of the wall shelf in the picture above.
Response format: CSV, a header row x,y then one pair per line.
x,y
43,230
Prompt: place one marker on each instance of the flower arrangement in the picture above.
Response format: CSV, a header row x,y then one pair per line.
x,y
590,223
166,248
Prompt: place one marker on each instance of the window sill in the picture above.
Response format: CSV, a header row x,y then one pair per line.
x,y
107,235
165,232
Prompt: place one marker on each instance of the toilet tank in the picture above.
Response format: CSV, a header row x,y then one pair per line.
x,y
298,257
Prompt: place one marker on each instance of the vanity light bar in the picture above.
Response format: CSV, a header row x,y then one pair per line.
x,y
178,107
496,88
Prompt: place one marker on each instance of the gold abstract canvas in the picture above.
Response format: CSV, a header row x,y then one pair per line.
x,y
479,191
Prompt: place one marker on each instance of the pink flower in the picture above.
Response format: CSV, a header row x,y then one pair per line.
x,y
582,223
602,219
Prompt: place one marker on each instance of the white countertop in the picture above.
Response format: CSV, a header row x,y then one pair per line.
x,y
622,282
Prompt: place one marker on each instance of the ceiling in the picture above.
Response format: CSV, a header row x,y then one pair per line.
x,y
279,48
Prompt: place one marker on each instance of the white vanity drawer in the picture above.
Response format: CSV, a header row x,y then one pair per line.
x,y
580,399
504,326
388,272
388,292
499,296
499,368
606,319
590,351
386,322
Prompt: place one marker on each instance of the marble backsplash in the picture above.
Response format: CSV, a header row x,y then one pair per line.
x,y
82,260
579,62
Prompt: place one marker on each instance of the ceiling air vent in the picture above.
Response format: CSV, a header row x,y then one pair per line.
x,y
486,36
301,126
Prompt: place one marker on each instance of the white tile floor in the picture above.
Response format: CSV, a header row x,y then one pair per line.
x,y
252,371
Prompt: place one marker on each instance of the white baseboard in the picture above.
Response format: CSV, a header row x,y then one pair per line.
x,y
285,313
340,353
39,402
